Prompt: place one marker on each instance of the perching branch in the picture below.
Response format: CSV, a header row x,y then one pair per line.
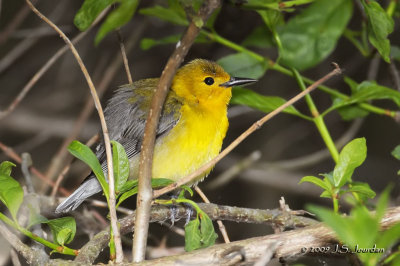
x,y
146,155
113,215
245,134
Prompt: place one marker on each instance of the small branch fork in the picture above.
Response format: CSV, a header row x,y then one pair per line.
x,y
245,134
146,155
113,215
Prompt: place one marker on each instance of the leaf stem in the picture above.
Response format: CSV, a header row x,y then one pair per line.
x,y
55,247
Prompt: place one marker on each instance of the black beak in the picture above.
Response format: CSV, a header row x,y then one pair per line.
x,y
237,81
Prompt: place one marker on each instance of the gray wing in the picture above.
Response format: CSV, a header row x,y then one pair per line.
x,y
126,115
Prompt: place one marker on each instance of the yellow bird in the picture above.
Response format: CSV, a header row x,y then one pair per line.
x,y
192,126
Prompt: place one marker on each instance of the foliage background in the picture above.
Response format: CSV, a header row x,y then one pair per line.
x,y
45,117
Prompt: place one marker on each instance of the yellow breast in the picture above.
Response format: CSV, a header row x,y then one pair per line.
x,y
195,140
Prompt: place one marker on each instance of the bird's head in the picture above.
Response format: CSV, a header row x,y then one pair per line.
x,y
205,82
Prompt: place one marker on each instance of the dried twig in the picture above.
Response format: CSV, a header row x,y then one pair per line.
x,y
113,215
124,57
146,155
245,134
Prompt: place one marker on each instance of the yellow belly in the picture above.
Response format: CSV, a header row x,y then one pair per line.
x,y
195,140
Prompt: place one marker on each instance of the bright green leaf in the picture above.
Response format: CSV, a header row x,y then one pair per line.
x,y
127,195
6,167
208,235
192,235
243,65
363,189
85,154
11,193
63,229
260,102
117,18
351,156
316,181
89,12
380,25
120,164
311,36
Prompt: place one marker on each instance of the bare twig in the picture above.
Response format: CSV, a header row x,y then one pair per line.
x,y
146,155
113,215
10,153
395,75
221,226
44,69
16,52
245,134
124,57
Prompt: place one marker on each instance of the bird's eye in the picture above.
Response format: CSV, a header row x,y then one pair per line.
x,y
209,81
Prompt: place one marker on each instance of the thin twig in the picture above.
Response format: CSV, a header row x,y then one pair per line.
x,y
10,153
113,215
245,134
124,57
221,226
17,51
146,154
395,75
44,69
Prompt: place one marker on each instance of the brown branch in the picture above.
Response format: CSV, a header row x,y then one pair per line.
x,y
245,134
146,155
124,57
92,249
107,144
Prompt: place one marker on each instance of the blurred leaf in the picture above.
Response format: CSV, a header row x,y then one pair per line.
x,y
85,154
395,52
120,165
351,156
396,152
11,193
362,188
380,25
351,112
35,217
273,4
174,13
311,36
192,235
89,11
63,229
260,102
6,167
117,18
243,65
147,43
260,37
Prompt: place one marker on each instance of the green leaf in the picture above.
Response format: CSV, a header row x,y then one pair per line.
x,y
35,217
128,185
316,181
120,164
260,37
351,112
63,229
260,102
208,235
396,152
117,18
243,65
147,43
185,189
85,154
351,156
380,25
192,235
6,167
363,189
89,11
11,193
395,52
382,203
174,13
311,36
127,195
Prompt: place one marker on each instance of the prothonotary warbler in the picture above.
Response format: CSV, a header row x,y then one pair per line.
x,y
191,129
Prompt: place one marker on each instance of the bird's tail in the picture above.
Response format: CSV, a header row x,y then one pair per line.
x,y
88,188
